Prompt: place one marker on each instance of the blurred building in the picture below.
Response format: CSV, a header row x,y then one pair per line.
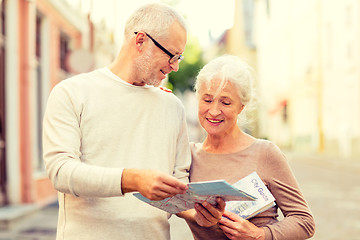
x,y
308,55
41,43
38,36
239,40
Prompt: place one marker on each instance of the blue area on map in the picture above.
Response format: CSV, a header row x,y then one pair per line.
x,y
217,188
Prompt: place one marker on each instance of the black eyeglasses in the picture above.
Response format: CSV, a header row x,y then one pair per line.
x,y
173,57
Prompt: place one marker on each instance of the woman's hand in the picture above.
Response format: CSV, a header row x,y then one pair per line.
x,y
235,227
207,215
204,214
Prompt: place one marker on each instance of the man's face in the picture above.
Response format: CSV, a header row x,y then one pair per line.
x,y
153,65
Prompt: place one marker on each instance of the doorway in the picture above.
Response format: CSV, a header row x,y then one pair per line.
x,y
3,195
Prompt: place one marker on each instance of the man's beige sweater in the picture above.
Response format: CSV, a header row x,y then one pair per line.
x,y
96,125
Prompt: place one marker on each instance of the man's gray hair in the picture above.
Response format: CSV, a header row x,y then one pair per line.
x,y
154,19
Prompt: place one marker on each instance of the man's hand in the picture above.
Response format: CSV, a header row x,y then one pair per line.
x,y
152,184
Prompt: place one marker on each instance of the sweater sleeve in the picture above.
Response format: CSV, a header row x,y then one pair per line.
x,y
298,222
183,156
62,155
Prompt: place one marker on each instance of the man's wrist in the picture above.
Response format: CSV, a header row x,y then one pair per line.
x,y
129,181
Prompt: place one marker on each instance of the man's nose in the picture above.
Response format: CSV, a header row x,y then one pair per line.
x,y
175,66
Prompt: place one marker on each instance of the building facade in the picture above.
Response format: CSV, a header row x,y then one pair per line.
x,y
308,55
240,41
36,38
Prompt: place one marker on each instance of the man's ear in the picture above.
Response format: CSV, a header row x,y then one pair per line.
x,y
139,40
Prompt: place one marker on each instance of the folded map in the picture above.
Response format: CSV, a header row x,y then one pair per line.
x,y
197,193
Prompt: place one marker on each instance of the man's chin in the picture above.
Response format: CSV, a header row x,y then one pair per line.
x,y
154,82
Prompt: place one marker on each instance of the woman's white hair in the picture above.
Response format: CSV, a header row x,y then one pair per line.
x,y
154,19
228,68
225,69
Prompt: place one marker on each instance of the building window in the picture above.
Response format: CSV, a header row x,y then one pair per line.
x,y
3,178
285,112
248,18
38,164
267,8
64,49
329,46
38,36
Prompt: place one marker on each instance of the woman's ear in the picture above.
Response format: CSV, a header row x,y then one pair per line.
x,y
241,108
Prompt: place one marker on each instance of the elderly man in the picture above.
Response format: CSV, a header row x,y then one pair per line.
x,y
113,131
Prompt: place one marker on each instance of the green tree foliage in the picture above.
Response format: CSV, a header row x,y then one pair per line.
x,y
189,67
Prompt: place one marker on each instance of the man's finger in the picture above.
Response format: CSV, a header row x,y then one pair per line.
x,y
174,183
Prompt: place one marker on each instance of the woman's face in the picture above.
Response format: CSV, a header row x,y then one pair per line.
x,y
218,110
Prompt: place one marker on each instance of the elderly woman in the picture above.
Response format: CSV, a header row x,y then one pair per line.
x,y
224,89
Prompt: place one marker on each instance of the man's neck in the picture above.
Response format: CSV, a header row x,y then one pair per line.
x,y
122,67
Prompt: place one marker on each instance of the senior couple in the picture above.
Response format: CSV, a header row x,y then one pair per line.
x,y
114,131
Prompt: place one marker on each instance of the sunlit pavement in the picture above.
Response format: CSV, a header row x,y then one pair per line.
x,y
333,193
40,225
331,189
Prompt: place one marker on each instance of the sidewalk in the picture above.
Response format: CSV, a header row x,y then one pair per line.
x,y
325,161
331,187
41,225
37,224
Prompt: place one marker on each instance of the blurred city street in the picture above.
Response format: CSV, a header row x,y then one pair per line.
x,y
306,98
330,187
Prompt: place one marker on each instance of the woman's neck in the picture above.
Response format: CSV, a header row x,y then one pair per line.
x,y
229,143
